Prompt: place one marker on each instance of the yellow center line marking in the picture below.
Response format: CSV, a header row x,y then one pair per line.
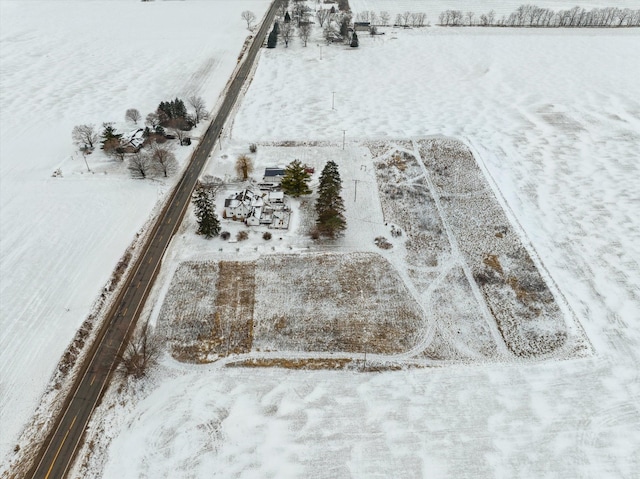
x,y
93,378
125,310
60,448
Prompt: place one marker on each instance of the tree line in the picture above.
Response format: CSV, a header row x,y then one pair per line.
x,y
541,17
383,19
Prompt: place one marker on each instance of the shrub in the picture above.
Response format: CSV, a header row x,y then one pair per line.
x,y
242,235
315,233
225,235
266,236
382,243
253,147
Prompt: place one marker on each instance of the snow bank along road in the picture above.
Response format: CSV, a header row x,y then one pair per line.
x,y
59,449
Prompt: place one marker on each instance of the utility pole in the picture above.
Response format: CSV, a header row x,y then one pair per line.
x,y
355,190
333,98
344,133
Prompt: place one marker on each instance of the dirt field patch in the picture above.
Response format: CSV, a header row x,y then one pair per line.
x,y
334,302
208,311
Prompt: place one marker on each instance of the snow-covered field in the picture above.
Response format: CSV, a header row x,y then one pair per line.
x,y
64,63
553,117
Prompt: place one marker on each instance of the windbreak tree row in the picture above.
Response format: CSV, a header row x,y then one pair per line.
x,y
541,17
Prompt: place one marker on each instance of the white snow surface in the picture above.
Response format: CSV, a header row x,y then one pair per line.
x,y
554,118
64,63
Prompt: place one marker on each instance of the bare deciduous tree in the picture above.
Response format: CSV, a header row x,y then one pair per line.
x,y
114,149
212,183
140,164
385,18
178,127
322,15
140,354
244,166
152,120
132,115
469,16
285,33
199,107
249,17
164,161
282,8
84,136
304,32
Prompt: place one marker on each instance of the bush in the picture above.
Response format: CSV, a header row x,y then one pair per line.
x,y
315,233
266,236
382,243
253,147
242,235
225,235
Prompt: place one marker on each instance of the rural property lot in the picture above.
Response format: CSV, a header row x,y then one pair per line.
x,y
511,96
552,118
455,284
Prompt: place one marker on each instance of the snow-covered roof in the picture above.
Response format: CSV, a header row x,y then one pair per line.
x,y
274,171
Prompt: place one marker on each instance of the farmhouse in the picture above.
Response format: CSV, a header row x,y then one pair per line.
x,y
254,209
133,139
240,205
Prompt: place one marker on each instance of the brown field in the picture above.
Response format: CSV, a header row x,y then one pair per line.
x,y
324,303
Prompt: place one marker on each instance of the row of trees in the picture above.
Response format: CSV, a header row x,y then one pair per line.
x,y
154,160
406,19
329,205
534,16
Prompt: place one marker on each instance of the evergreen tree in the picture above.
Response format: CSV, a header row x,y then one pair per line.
x,y
205,211
295,180
330,205
272,41
170,110
354,40
287,17
110,138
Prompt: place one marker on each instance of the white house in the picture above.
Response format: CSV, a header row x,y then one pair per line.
x,y
257,210
239,205
134,139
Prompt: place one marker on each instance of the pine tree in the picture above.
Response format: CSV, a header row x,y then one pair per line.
x,y
272,41
354,40
295,180
287,17
330,205
170,110
110,139
205,211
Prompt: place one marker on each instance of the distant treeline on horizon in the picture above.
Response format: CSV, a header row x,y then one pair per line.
x,y
524,16
533,16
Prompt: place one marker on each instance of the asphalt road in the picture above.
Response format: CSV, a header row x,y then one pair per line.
x,y
58,451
